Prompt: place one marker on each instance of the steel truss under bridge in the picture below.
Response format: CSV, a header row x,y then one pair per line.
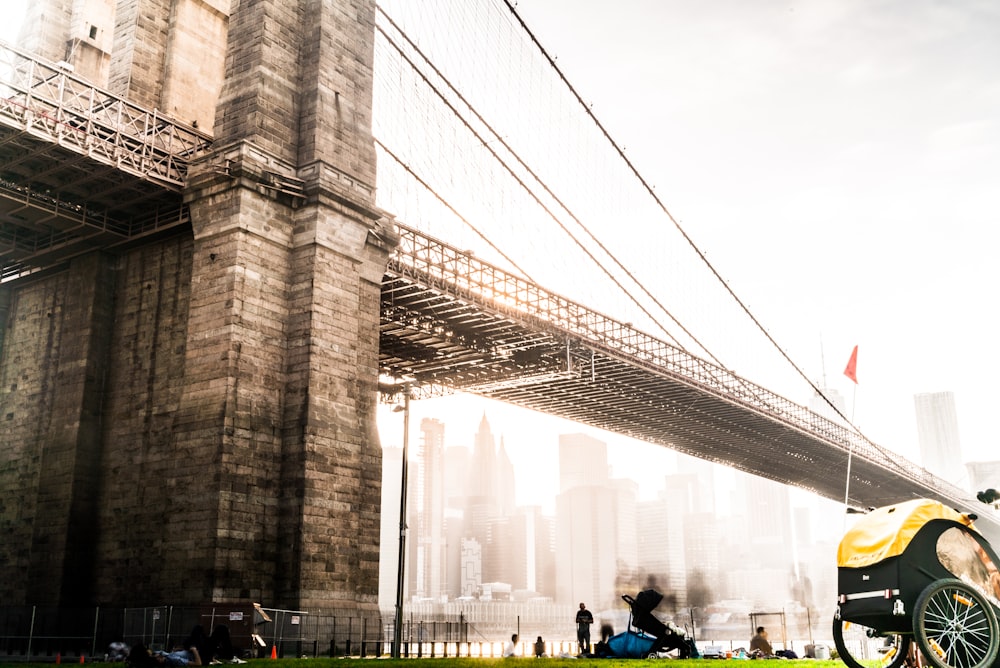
x,y
81,168
451,322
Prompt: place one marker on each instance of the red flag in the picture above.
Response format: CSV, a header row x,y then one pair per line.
x,y
852,366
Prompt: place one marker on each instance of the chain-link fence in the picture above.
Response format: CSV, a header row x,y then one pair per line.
x,y
32,633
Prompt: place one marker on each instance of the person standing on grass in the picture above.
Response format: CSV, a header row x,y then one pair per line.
x,y
583,621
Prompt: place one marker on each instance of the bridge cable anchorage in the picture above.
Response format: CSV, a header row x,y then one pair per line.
x,y
650,190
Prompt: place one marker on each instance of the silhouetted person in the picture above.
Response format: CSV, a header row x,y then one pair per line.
x,y
200,640
140,657
760,643
539,648
583,621
223,643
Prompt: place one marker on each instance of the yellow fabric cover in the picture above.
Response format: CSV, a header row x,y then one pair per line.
x,y
885,532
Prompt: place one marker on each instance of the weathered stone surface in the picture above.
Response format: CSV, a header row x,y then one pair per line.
x,y
193,419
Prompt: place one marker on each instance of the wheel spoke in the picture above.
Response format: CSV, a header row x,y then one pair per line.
x,y
957,628
860,646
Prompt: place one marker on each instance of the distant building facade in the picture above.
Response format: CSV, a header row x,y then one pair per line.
x,y
429,570
983,475
937,436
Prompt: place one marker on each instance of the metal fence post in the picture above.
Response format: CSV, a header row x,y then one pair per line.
x,y
31,633
93,643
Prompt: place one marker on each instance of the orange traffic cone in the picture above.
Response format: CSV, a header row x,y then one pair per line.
x,y
58,658
274,651
81,658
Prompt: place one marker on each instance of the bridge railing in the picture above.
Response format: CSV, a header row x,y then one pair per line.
x,y
440,266
51,103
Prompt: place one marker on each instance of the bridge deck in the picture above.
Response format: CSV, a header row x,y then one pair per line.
x,y
452,321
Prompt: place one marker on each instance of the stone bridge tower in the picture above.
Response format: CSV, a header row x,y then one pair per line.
x,y
192,419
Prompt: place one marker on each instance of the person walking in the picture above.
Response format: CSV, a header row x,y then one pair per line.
x,y
583,621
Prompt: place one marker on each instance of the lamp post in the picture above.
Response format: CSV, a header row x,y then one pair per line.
x,y
397,637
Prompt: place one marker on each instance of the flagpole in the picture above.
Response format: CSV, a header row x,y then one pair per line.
x,y
847,485
852,373
854,401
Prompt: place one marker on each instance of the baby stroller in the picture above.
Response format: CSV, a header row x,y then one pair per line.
x,y
919,572
661,637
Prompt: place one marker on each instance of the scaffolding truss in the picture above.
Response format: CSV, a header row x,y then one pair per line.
x,y
81,169
48,102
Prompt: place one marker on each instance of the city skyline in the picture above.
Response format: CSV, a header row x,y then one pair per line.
x,y
606,540
531,441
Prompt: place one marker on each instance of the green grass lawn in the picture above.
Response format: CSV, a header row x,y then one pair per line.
x,y
510,663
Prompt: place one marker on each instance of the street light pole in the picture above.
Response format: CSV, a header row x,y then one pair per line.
x,y
397,638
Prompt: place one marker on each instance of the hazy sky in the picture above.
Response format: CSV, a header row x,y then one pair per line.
x,y
13,13
839,163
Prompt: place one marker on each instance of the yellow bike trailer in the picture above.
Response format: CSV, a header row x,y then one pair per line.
x,y
917,571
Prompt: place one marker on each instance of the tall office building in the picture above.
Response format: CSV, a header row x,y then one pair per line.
x,y
457,462
482,505
588,517
983,475
937,435
586,549
506,498
521,552
483,476
626,529
471,560
769,521
830,404
583,460
429,568
698,485
760,556
660,550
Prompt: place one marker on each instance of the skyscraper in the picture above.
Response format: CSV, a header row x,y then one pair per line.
x,y
937,435
427,526
769,520
587,523
586,550
583,460
660,548
829,403
983,475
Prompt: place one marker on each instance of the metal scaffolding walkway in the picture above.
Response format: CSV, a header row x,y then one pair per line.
x,y
81,168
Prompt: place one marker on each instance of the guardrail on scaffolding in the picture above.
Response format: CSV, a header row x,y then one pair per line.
x,y
49,102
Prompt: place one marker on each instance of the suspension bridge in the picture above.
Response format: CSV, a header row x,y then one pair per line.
x,y
84,170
